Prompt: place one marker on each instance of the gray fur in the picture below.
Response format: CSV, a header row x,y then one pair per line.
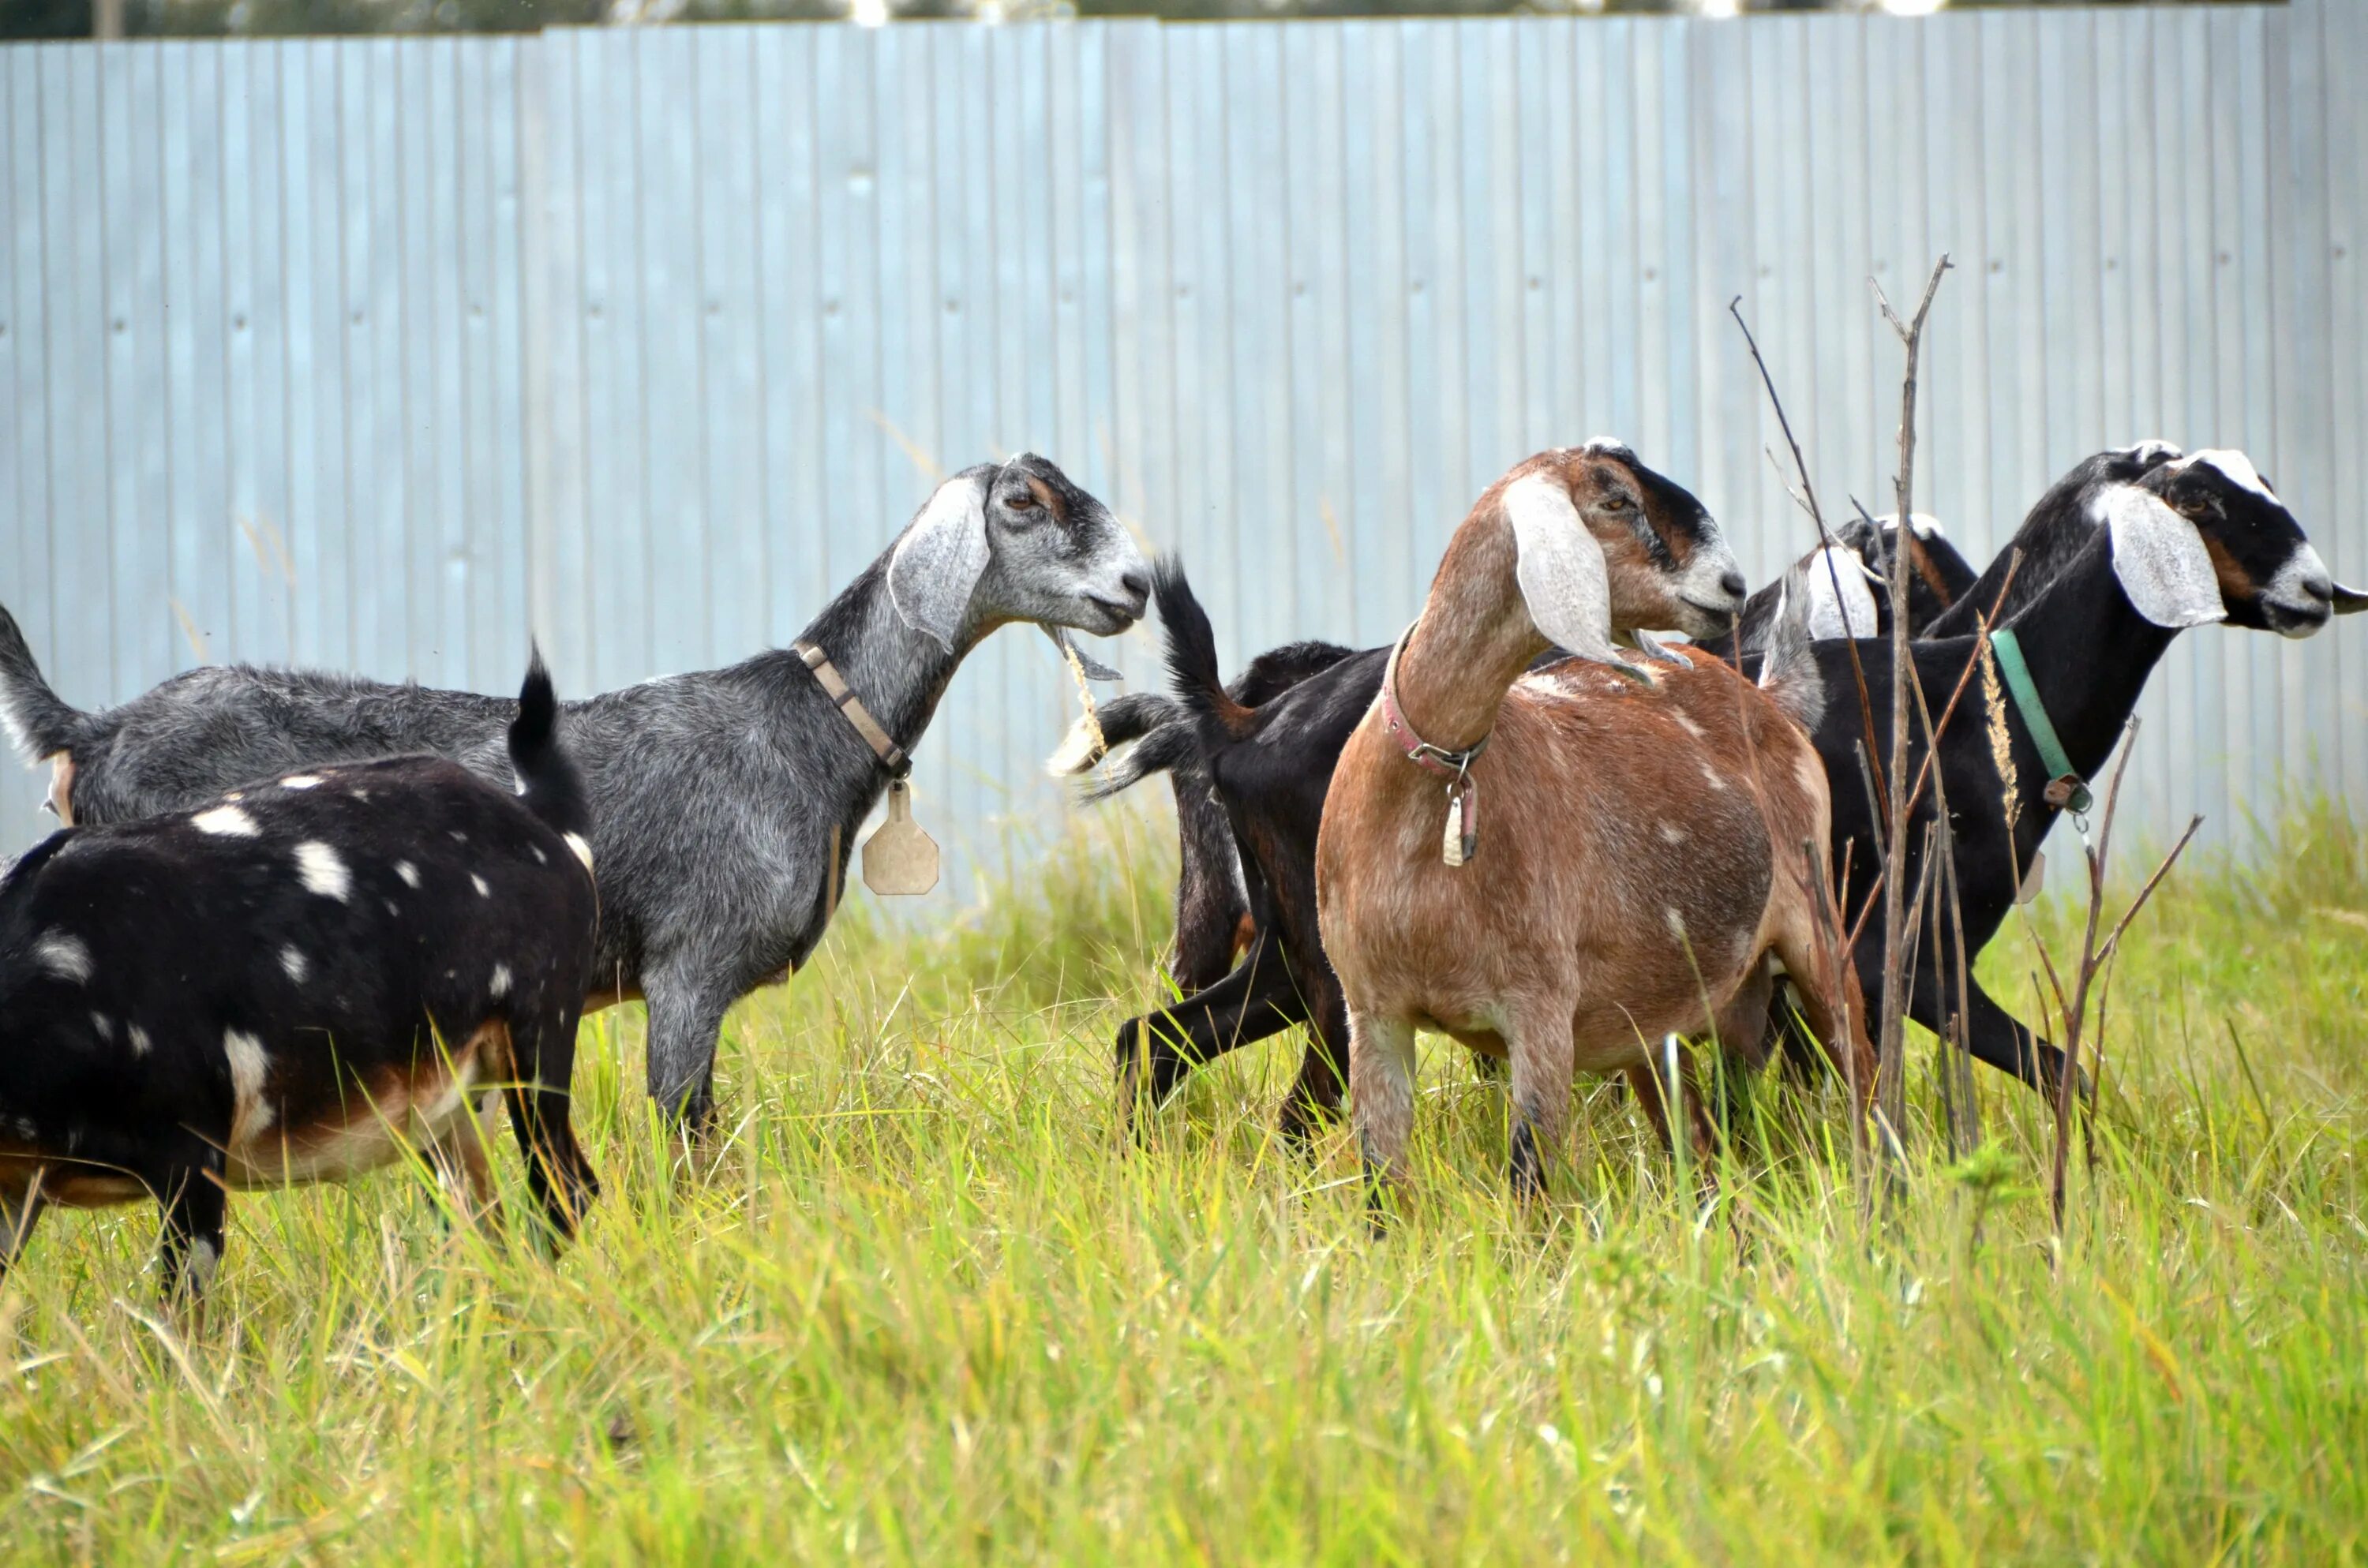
x,y
715,796
1788,666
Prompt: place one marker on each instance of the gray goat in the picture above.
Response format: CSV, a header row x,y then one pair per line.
x,y
718,799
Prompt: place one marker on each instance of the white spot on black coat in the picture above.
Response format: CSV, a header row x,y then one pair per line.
x,y
66,957
230,822
322,869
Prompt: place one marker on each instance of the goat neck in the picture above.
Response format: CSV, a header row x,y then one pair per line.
x,y
2091,653
898,671
1473,640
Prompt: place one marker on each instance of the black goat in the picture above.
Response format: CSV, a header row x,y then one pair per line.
x,y
314,976
2120,566
1215,918
1848,585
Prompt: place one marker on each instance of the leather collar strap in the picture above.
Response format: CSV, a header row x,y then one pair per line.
x,y
2065,789
1421,753
843,695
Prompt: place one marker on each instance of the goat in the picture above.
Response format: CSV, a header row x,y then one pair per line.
x,y
1644,847
2129,549
1271,765
308,978
1214,920
1847,586
726,804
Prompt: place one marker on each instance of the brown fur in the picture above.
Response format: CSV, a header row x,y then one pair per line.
x,y
1642,852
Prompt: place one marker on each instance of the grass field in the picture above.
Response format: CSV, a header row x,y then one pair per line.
x,y
926,1308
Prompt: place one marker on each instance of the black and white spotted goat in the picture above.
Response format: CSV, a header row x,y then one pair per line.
x,y
724,803
310,977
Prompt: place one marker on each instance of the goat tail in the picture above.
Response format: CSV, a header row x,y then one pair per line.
x,y
1192,672
1169,747
1788,665
39,722
1119,721
547,776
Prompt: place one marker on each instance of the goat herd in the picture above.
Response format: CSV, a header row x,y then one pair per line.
x,y
298,924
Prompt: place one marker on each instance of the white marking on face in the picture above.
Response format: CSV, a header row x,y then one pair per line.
x,y
139,1038
230,821
1688,726
456,835
500,985
300,781
249,1115
104,1025
66,957
2301,587
478,882
1672,834
583,850
1710,776
408,872
293,962
1840,602
321,870
2234,467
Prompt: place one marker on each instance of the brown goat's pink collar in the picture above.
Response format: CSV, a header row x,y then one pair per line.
x,y
1461,841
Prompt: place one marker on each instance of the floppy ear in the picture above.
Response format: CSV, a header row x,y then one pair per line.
x,y
2161,560
1837,601
939,561
1560,569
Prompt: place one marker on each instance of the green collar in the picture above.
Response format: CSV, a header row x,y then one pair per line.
x,y
2066,790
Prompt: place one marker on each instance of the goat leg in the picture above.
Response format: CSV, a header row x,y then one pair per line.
x,y
1380,1090
1314,1096
1999,1039
562,1179
1155,1051
195,1199
1538,1042
20,1210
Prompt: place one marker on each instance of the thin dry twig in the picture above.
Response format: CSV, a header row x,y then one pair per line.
x,y
1809,497
1891,1074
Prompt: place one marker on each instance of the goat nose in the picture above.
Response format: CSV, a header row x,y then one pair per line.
x,y
1137,586
1732,582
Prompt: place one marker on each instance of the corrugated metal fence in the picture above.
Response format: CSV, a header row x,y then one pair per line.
x,y
373,354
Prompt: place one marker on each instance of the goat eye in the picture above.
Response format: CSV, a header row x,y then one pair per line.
x,y
1023,502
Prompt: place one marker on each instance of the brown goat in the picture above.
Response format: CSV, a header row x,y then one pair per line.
x,y
1645,840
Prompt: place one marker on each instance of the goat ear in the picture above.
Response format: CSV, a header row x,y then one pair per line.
x,y
1560,569
939,559
1837,601
2161,560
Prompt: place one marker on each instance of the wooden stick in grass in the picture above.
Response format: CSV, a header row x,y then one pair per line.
x,y
1890,1064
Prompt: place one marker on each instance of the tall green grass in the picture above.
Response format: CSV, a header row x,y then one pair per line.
x,y
927,1306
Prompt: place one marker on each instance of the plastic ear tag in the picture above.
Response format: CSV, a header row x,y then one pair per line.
x,y
1461,841
899,859
2034,879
